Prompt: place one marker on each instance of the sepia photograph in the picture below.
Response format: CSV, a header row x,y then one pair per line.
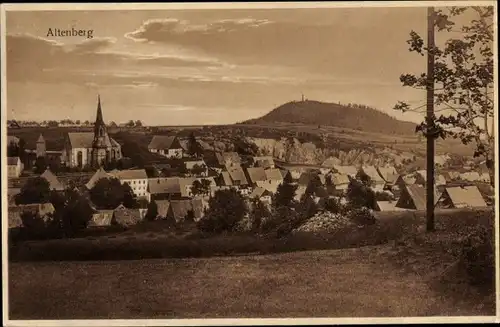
x,y
249,163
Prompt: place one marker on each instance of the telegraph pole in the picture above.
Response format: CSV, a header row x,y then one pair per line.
x,y
430,120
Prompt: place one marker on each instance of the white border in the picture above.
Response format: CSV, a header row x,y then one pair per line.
x,y
226,322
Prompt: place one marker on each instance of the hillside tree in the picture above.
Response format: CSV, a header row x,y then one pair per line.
x,y
463,80
35,190
226,209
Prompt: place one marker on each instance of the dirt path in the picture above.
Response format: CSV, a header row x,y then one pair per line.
x,y
338,283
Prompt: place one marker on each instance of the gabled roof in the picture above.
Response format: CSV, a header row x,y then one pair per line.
x,y
388,173
260,192
15,212
471,176
264,161
373,173
164,142
191,163
417,193
347,170
273,174
101,218
126,217
340,179
256,174
226,178
85,140
179,209
204,145
12,161
467,196
237,174
228,158
388,206
164,185
130,174
163,206
81,139
99,174
12,139
54,182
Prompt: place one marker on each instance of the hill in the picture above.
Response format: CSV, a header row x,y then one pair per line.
x,y
355,117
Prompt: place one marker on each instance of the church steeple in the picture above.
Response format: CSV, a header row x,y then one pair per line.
x,y
99,118
102,143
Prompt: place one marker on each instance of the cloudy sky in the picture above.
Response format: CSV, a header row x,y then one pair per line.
x,y
180,67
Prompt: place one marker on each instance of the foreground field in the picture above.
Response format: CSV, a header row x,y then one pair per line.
x,y
335,283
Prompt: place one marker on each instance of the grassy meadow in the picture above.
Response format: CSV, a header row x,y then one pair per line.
x,y
390,269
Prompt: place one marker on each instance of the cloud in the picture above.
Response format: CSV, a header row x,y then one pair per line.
x,y
156,29
93,45
32,58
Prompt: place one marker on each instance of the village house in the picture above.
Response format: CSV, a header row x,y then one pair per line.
x,y
256,176
126,217
137,179
378,182
225,159
186,185
94,149
196,168
38,210
273,180
54,183
101,218
387,206
413,197
167,146
266,162
165,188
340,181
462,197
262,194
12,193
11,139
99,174
203,146
180,210
352,171
470,176
176,188
237,176
14,167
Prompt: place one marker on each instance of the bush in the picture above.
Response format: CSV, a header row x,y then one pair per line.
x,y
332,205
226,209
361,216
478,256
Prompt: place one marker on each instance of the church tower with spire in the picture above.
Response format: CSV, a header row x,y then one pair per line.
x,y
101,145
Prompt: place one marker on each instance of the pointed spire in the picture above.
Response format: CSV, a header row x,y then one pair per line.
x,y
40,139
99,110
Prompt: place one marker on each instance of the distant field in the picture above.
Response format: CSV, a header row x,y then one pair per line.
x,y
341,283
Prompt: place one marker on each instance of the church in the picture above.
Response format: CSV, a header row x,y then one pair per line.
x,y
92,149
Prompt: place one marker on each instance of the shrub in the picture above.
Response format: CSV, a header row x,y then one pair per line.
x,y
332,205
478,256
226,209
361,216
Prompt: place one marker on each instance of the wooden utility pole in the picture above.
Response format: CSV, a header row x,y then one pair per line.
x,y
430,120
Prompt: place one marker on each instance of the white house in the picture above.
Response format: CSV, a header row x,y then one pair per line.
x,y
168,146
137,179
15,167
